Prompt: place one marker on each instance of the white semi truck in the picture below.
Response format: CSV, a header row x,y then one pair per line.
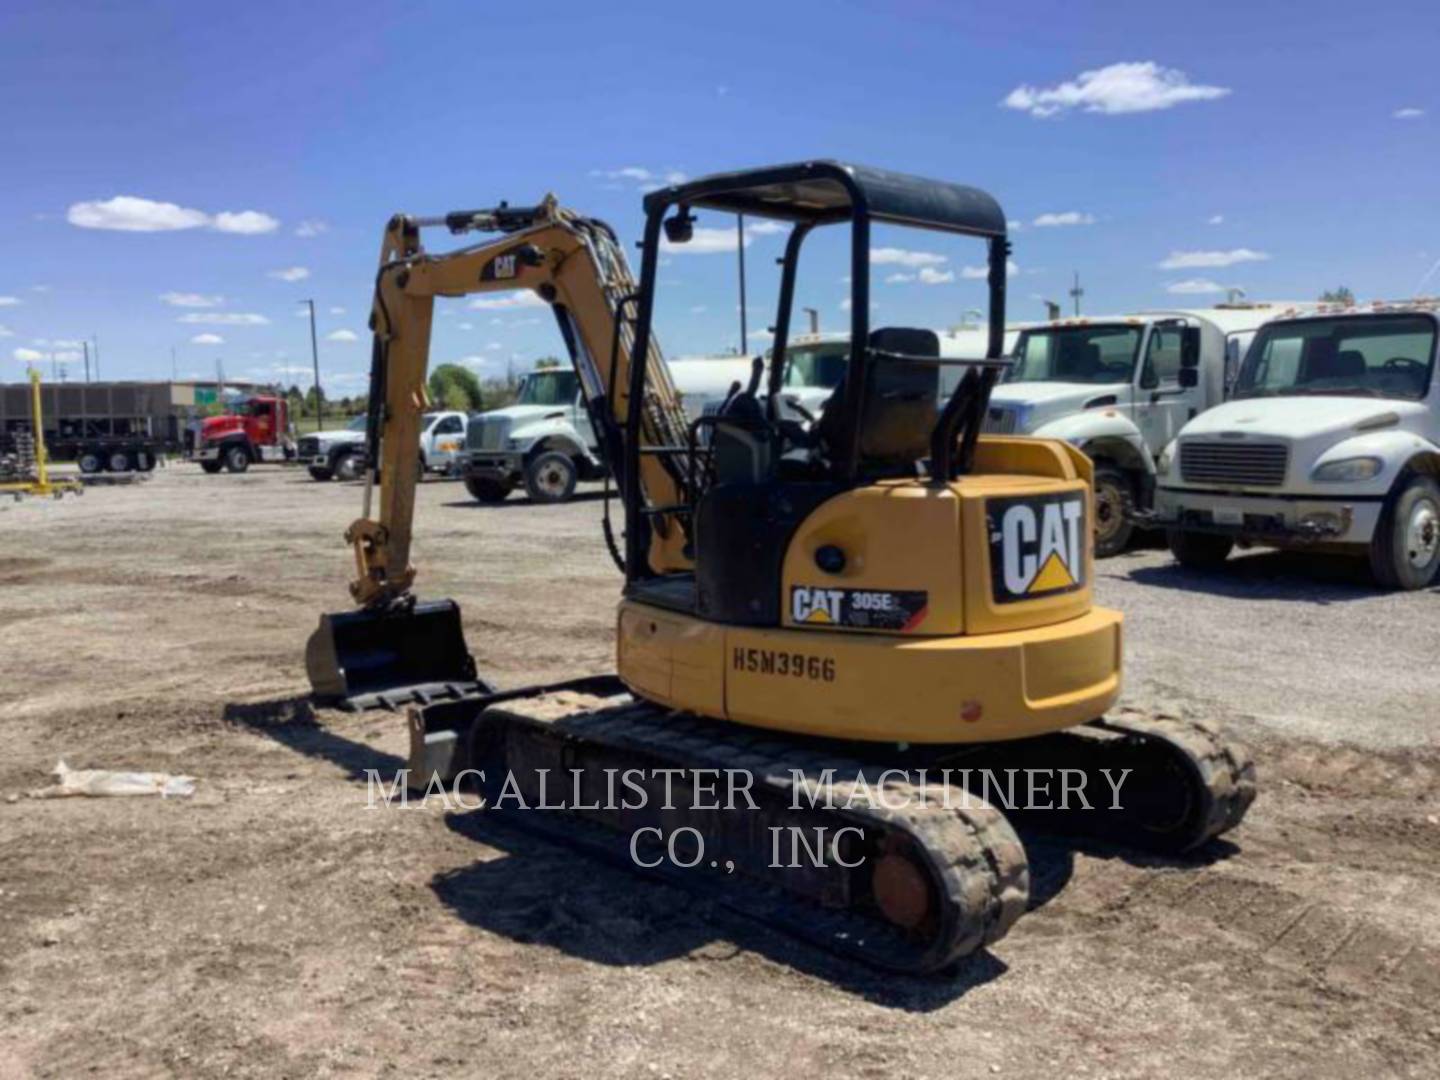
x,y
1331,439
1120,388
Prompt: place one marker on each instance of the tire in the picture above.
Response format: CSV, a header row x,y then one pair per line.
x,y
236,458
1198,551
550,477
90,463
119,461
486,489
1405,551
1114,502
348,467
319,473
211,467
420,471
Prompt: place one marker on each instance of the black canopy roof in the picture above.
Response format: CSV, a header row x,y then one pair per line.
x,y
819,192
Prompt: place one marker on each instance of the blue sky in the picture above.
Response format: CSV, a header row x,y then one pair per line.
x,y
1173,147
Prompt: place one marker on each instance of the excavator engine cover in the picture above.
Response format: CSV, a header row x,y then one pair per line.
x,y
385,658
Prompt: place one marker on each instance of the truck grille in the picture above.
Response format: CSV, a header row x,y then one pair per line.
x,y
999,422
486,433
1238,463
308,447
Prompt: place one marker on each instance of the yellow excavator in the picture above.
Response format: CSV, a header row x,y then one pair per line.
x,y
839,625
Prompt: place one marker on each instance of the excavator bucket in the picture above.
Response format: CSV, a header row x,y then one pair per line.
x,y
387,658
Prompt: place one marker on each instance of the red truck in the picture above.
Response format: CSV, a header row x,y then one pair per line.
x,y
253,430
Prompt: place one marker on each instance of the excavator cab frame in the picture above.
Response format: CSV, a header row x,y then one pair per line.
x,y
807,195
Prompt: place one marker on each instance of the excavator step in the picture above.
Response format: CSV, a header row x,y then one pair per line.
x,y
410,654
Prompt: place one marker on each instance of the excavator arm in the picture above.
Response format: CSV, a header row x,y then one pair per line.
x,y
576,266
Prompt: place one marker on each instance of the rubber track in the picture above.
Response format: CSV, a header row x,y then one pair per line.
x,y
973,853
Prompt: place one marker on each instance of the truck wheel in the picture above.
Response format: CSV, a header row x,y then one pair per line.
x,y
237,459
211,467
1198,551
486,489
1405,551
90,462
319,472
348,467
119,461
144,461
1114,501
551,477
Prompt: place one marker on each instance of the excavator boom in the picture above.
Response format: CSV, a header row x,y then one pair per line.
x,y
395,649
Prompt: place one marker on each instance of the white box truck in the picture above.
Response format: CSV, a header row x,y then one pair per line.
x,y
1331,439
1120,388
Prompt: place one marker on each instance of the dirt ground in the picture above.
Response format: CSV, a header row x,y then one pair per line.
x,y
273,926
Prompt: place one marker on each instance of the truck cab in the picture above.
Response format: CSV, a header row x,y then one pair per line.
x,y
1331,439
1120,388
544,441
252,430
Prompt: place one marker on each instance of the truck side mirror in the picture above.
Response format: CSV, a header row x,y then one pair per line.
x,y
1189,378
1190,348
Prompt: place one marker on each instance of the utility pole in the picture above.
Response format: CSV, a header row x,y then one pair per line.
x,y
814,316
1076,292
740,250
315,359
174,370
86,344
97,357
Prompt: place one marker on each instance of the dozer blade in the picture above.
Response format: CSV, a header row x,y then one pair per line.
x,y
413,654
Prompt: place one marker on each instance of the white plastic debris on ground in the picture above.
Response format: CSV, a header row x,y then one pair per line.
x,y
107,782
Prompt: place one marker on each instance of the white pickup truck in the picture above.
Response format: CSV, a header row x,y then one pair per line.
x,y
340,453
1331,439
1120,388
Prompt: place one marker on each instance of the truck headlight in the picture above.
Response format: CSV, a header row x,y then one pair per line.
x,y
516,444
1348,469
1167,457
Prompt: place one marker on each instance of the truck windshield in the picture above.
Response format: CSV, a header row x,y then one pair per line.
x,y
358,424
549,388
1368,355
1076,354
817,365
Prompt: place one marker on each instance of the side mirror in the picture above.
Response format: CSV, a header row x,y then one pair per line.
x,y
1189,378
680,228
1189,348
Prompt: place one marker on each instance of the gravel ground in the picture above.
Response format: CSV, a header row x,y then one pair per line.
x,y
272,926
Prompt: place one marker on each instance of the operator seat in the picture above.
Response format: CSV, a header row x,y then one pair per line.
x,y
1324,361
901,408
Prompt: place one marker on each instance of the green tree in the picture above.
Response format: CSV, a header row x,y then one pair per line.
x,y
456,387
1342,295
547,362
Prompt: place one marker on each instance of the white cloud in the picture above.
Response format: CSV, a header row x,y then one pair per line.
x,y
207,339
337,311
1067,217
891,256
1216,219
342,335
39,288
760,335
1014,226
1194,287
521,299
705,242
698,309
130,213
127,213
311,227
930,276
10,301
223,318
28,356
648,179
980,273
290,273
765,227
191,300
1408,113
1190,260
58,343
1115,89
493,346
898,278
465,326
5,331
245,222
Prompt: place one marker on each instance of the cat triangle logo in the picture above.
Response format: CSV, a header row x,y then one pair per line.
x,y
819,615
1053,575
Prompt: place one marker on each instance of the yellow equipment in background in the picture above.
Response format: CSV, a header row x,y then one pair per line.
x,y
39,481
859,603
